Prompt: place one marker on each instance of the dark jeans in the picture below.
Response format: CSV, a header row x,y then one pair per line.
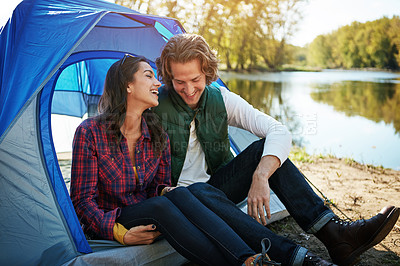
x,y
191,228
289,185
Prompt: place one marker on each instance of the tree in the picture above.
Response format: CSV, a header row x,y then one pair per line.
x,y
371,44
320,52
243,32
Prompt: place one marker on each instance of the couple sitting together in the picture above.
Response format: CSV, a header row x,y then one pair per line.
x,y
156,165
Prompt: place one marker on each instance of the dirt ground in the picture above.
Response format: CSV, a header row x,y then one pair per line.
x,y
358,191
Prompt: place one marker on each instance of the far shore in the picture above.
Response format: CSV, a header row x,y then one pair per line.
x,y
293,68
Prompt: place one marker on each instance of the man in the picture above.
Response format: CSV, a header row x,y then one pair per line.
x,y
196,116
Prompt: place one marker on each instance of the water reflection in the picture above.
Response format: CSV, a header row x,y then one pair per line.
x,y
344,113
268,97
372,100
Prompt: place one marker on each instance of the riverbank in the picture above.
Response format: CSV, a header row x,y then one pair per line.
x,y
358,190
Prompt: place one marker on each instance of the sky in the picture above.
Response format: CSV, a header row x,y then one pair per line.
x,y
325,16
319,16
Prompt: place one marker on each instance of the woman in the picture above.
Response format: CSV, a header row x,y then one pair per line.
x,y
121,164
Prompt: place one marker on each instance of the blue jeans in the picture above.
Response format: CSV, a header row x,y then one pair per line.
x,y
289,185
191,228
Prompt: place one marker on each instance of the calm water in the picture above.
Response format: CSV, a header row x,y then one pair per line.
x,y
344,113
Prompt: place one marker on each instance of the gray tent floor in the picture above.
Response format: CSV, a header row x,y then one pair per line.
x,y
112,253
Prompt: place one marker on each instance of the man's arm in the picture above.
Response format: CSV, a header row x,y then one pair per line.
x,y
241,114
276,148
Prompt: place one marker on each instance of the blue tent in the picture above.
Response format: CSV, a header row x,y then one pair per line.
x,y
54,56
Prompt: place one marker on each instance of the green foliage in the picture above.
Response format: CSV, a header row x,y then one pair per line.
x,y
374,44
295,55
298,154
246,34
320,52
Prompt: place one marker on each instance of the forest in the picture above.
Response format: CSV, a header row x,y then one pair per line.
x,y
255,34
245,34
374,44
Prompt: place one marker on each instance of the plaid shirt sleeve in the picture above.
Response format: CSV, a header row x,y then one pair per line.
x,y
84,179
163,175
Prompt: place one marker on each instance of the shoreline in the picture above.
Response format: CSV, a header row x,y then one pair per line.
x,y
294,68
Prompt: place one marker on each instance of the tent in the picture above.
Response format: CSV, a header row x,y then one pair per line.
x,y
54,56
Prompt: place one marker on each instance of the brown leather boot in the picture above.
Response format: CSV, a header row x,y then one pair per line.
x,y
346,241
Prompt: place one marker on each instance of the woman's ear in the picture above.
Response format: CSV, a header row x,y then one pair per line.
x,y
130,88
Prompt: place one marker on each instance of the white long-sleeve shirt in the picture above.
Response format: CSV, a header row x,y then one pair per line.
x,y
242,115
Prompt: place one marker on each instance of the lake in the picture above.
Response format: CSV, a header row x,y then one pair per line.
x,y
353,114
348,114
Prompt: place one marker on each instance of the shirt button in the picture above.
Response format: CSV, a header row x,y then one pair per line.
x,y
138,167
112,158
130,193
137,151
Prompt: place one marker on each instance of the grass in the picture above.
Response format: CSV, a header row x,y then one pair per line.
x,y
367,167
299,154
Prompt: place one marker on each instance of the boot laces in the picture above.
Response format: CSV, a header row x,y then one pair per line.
x,y
340,221
263,258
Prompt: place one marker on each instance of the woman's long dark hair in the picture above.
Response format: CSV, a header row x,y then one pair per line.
x,y
113,102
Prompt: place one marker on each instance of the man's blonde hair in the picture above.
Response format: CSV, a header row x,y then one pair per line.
x,y
183,48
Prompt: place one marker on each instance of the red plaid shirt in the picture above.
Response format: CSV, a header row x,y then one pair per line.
x,y
103,179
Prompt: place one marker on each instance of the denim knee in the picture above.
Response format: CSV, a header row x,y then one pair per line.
x,y
161,207
179,194
204,191
199,187
202,188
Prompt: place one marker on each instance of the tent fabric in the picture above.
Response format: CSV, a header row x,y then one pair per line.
x,y
43,38
31,223
53,58
59,27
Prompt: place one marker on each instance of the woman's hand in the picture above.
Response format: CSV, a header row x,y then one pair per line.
x,y
166,190
141,235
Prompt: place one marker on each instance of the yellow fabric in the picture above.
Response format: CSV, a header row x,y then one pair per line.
x,y
119,231
163,191
136,175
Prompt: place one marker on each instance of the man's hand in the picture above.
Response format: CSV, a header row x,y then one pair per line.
x,y
258,199
259,193
141,235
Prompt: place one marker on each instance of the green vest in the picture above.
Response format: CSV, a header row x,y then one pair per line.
x,y
211,128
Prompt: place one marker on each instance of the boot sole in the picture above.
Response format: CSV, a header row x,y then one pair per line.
x,y
381,233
